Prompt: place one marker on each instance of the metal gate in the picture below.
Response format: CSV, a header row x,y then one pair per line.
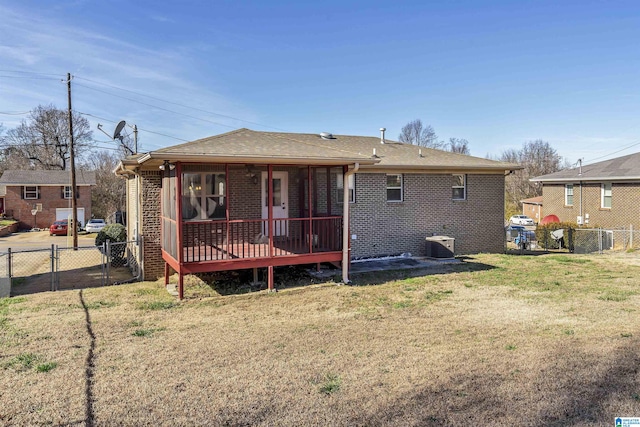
x,y
59,268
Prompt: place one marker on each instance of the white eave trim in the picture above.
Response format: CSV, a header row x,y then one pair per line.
x,y
586,179
199,158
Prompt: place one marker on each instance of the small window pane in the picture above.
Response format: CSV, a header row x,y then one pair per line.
x,y
458,193
606,196
394,181
394,195
568,195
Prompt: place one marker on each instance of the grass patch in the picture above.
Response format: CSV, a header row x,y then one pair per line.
x,y
470,344
23,361
616,296
101,304
330,385
157,305
46,367
146,332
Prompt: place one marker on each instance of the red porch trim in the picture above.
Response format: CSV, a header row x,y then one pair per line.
x,y
244,263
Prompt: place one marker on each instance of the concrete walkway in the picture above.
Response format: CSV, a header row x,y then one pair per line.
x,y
387,264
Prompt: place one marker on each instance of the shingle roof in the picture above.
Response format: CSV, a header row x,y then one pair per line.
x,y
45,177
265,147
619,169
533,200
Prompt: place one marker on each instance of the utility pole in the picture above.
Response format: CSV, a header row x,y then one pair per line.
x,y
72,164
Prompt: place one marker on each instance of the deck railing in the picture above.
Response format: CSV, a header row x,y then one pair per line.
x,y
240,239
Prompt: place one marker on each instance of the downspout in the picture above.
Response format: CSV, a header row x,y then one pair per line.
x,y
346,259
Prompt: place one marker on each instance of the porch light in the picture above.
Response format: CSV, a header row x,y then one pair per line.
x,y
167,166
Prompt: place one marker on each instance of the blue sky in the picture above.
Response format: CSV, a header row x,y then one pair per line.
x,y
497,73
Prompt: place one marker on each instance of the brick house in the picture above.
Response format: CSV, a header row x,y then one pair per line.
x,y
46,191
210,204
532,208
603,194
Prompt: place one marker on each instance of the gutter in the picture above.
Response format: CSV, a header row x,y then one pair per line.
x,y
346,258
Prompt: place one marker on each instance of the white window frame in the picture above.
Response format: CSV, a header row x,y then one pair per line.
x,y
31,194
352,187
566,194
455,187
401,188
604,196
68,194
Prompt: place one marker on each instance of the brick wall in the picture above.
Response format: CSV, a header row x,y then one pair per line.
x,y
391,228
51,198
151,183
624,211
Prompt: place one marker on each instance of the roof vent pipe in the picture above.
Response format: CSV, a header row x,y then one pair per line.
x,y
382,135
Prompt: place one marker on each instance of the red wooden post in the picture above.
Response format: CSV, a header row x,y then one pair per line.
x,y
180,231
270,279
270,208
310,231
166,274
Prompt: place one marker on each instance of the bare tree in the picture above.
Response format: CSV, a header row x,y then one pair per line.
x,y
109,193
538,158
42,140
459,145
416,133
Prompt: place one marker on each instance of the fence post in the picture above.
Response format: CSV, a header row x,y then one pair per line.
x,y
9,263
108,243
630,236
53,267
57,267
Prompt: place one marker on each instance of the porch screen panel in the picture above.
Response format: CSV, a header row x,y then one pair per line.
x,y
204,193
169,214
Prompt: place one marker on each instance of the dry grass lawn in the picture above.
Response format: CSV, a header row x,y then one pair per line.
x,y
495,340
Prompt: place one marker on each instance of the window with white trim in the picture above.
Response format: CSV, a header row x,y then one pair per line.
x,y
203,196
568,195
606,196
394,188
31,192
68,194
459,187
352,188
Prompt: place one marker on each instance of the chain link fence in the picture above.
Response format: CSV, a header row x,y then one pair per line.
x,y
580,240
55,268
626,238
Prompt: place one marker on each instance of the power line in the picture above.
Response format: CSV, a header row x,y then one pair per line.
x,y
636,142
6,113
30,72
139,128
156,107
179,104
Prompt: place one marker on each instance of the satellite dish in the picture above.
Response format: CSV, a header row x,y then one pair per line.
x,y
119,127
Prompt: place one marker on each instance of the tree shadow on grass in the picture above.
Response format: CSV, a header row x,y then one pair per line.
x,y
573,388
241,281
381,277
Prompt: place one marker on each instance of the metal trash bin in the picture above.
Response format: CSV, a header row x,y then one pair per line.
x,y
440,246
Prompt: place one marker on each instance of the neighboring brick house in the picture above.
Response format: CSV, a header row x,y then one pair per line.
x,y
532,208
47,192
603,194
205,205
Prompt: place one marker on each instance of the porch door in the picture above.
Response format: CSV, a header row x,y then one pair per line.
x,y
280,202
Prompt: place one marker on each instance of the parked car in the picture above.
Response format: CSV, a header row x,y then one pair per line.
x,y
59,228
521,220
95,225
